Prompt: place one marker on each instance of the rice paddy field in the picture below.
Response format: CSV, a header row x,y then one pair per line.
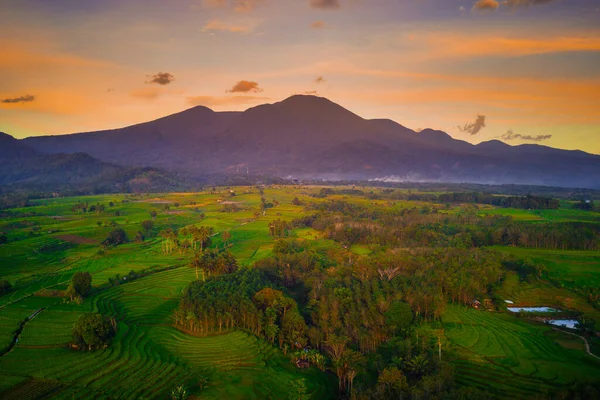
x,y
511,357
50,241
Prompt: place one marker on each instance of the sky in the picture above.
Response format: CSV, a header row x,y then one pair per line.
x,y
521,71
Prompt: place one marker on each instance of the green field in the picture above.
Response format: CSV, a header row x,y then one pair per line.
x,y
512,357
49,242
148,355
570,268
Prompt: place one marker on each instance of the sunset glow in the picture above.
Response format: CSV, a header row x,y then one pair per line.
x,y
72,66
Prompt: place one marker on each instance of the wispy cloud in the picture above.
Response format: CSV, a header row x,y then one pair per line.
x,y
510,135
474,127
525,3
220,26
318,25
486,5
238,6
22,99
162,78
325,4
245,87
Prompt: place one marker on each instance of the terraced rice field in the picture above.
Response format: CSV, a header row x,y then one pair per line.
x,y
512,357
148,357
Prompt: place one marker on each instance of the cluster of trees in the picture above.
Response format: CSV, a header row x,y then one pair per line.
x,y
587,205
93,331
190,237
358,317
279,228
87,208
115,237
214,262
528,202
350,224
243,299
81,284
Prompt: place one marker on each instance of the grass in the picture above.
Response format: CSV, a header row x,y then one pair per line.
x,y
570,268
512,357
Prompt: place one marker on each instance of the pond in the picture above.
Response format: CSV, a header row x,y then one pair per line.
x,y
567,323
531,309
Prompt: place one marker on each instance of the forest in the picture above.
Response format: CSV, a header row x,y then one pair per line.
x,y
374,320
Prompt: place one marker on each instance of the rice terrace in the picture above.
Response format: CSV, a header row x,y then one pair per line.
x,y
200,299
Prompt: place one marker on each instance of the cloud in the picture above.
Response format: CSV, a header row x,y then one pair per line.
x,y
22,99
162,78
212,101
325,4
245,87
485,5
318,25
216,25
510,135
245,6
319,80
450,45
311,92
525,3
239,6
475,127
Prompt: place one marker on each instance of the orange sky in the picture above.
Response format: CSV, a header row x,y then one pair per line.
x,y
71,66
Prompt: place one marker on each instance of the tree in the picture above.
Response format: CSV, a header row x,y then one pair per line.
x,y
226,236
139,237
293,329
82,283
116,237
92,330
147,225
392,382
179,392
399,317
5,286
418,365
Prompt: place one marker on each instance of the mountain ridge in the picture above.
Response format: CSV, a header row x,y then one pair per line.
x,y
309,136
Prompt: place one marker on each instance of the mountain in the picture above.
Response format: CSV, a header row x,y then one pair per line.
x,y
312,137
23,167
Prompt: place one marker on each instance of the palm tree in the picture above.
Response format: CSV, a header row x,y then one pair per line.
x,y
226,236
418,365
179,393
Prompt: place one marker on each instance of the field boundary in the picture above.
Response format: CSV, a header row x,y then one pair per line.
x,y
587,345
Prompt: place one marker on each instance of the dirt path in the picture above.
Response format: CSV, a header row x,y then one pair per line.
x,y
587,345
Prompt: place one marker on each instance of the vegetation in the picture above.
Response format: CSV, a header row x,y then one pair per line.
x,y
93,331
346,293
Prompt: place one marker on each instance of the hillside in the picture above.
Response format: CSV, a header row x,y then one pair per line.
x,y
312,137
22,167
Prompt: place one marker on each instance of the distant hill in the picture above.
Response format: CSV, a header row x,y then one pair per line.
x,y
23,167
312,137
